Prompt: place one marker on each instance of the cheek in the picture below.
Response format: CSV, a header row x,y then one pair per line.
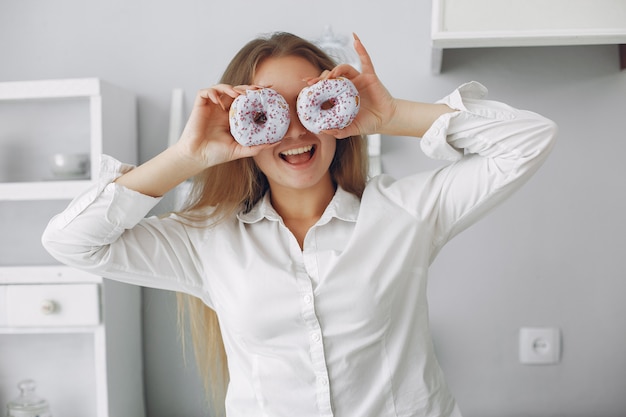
x,y
329,147
262,160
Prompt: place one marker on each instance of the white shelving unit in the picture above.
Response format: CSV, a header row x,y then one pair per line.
x,y
514,23
76,334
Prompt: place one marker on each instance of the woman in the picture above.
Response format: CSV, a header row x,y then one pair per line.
x,y
318,279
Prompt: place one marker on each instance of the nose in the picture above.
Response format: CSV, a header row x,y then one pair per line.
x,y
296,129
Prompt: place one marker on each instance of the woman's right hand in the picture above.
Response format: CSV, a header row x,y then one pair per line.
x,y
206,139
205,142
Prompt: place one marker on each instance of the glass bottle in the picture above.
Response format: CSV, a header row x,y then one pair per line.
x,y
28,404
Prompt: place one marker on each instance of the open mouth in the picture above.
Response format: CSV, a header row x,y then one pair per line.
x,y
298,155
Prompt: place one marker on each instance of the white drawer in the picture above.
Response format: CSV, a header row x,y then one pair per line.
x,y
52,305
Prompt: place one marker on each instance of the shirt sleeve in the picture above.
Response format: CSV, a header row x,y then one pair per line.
x,y
105,231
493,148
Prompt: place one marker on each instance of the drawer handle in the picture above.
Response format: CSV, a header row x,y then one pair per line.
x,y
48,307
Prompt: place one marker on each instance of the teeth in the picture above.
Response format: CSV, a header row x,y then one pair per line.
x,y
298,151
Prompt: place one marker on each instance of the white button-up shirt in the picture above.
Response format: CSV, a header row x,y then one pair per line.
x,y
339,328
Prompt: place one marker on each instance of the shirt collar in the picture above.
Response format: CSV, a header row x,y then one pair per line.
x,y
344,206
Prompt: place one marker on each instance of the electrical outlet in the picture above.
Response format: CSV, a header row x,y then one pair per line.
x,y
539,345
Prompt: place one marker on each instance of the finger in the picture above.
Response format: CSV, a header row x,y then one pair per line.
x,y
366,62
205,92
216,98
221,103
344,70
312,80
341,133
325,74
216,95
219,90
241,89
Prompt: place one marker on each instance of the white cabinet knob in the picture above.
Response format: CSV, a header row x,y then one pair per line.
x,y
48,307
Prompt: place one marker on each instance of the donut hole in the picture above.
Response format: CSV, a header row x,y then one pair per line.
x,y
329,104
260,118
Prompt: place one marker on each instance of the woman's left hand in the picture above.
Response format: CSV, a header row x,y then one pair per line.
x,y
377,106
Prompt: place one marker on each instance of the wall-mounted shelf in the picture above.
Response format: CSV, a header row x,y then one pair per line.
x,y
515,23
41,118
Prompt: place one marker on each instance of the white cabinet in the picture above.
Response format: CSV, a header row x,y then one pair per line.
x,y
76,334
498,23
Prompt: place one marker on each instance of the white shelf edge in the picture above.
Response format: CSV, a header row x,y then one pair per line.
x,y
42,190
38,330
38,89
45,274
478,39
490,25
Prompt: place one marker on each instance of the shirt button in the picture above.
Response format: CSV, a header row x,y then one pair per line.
x,y
307,299
323,381
315,337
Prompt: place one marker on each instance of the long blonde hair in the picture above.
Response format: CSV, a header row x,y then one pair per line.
x,y
238,185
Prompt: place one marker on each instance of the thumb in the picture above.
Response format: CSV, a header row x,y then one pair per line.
x,y
346,132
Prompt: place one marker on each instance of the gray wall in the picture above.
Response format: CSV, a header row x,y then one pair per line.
x,y
552,255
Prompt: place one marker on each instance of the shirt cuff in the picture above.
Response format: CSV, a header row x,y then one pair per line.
x,y
434,142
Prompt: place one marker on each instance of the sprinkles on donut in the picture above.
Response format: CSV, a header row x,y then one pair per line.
x,y
258,117
328,104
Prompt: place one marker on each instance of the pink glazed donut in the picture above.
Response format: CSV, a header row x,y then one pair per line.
x,y
258,117
328,104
